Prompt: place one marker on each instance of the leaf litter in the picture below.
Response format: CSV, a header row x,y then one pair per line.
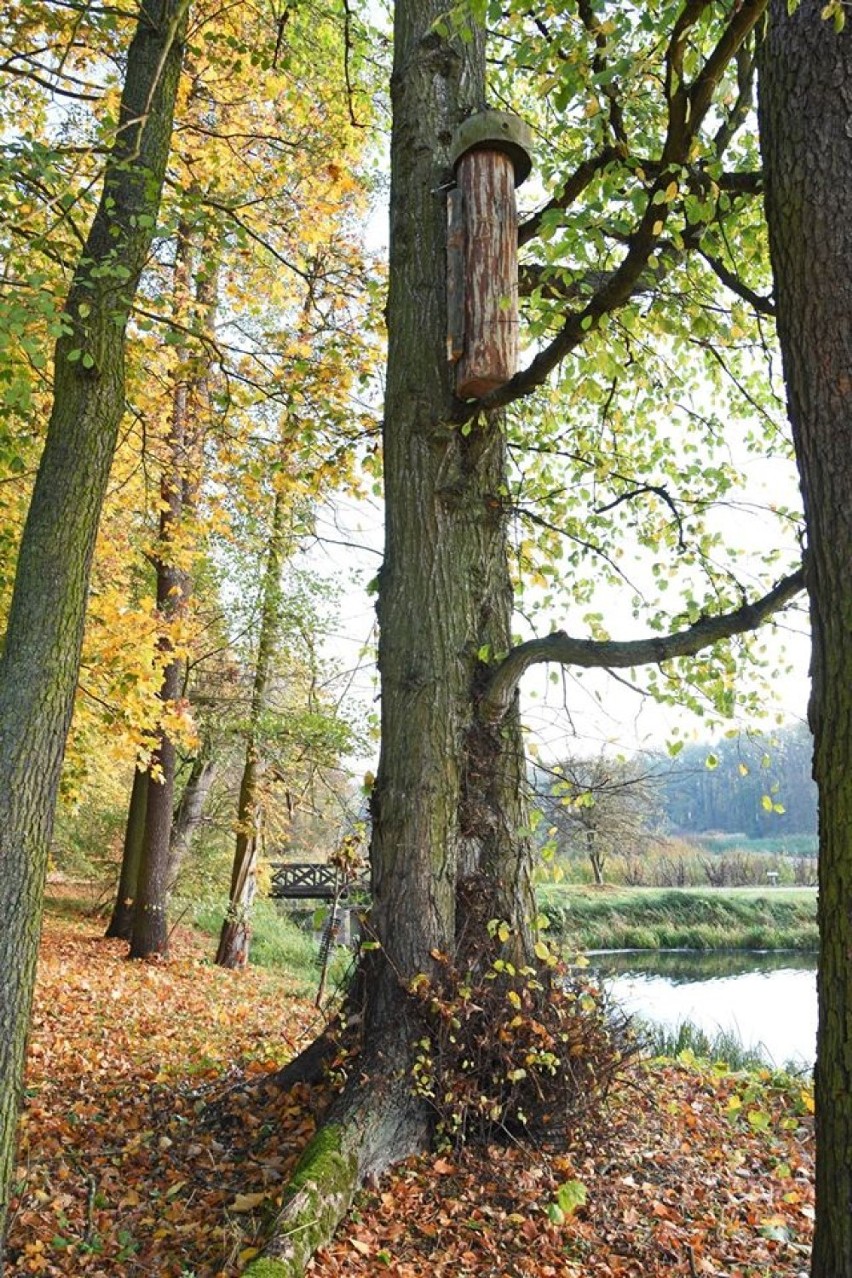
x,y
154,1143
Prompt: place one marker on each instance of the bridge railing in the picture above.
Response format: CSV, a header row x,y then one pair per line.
x,y
311,881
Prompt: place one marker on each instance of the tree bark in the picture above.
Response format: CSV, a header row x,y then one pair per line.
x,y
805,108
235,937
121,922
150,933
446,800
190,809
40,659
178,492
447,805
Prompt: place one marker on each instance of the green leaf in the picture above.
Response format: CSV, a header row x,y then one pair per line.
x,y
759,1120
571,1195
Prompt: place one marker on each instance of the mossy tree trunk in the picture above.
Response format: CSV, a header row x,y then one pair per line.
x,y
38,670
448,852
806,106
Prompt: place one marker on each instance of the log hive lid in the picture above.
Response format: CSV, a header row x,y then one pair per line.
x,y
496,131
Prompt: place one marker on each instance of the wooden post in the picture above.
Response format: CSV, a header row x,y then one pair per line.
x,y
491,153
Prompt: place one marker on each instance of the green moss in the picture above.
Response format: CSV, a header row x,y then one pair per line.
x,y
320,1192
269,1269
320,1156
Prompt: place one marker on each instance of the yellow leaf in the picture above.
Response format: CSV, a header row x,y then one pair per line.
x,y
246,1202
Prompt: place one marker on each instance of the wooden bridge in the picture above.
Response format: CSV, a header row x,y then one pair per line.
x,y
312,881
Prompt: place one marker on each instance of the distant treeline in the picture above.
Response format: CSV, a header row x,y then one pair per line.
x,y
754,784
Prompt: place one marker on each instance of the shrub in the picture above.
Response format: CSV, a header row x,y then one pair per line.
x,y
508,1052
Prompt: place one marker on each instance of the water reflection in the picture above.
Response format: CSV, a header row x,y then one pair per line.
x,y
767,999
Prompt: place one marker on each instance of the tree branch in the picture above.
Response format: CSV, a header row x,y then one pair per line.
x,y
687,108
499,691
762,305
571,191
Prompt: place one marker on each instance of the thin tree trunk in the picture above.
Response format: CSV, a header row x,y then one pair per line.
x,y
190,810
121,923
805,109
150,923
38,669
235,937
595,857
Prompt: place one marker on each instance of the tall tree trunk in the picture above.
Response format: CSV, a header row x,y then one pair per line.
x,y
447,805
805,109
179,486
38,669
446,795
121,922
235,936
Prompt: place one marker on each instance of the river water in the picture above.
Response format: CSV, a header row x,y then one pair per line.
x,y
767,999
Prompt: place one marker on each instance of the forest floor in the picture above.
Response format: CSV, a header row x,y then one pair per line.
x,y
153,1145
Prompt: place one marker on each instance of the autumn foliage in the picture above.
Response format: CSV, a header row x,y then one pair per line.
x,y
153,1143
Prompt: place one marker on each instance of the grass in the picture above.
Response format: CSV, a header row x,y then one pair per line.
x,y
774,845
277,942
681,918
687,1039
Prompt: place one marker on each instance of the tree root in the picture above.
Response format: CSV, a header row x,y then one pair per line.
x,y
311,1063
375,1122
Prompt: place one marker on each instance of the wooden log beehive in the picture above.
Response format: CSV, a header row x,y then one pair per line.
x,y
491,154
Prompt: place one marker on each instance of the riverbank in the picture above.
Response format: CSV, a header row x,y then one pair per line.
x,y
587,918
